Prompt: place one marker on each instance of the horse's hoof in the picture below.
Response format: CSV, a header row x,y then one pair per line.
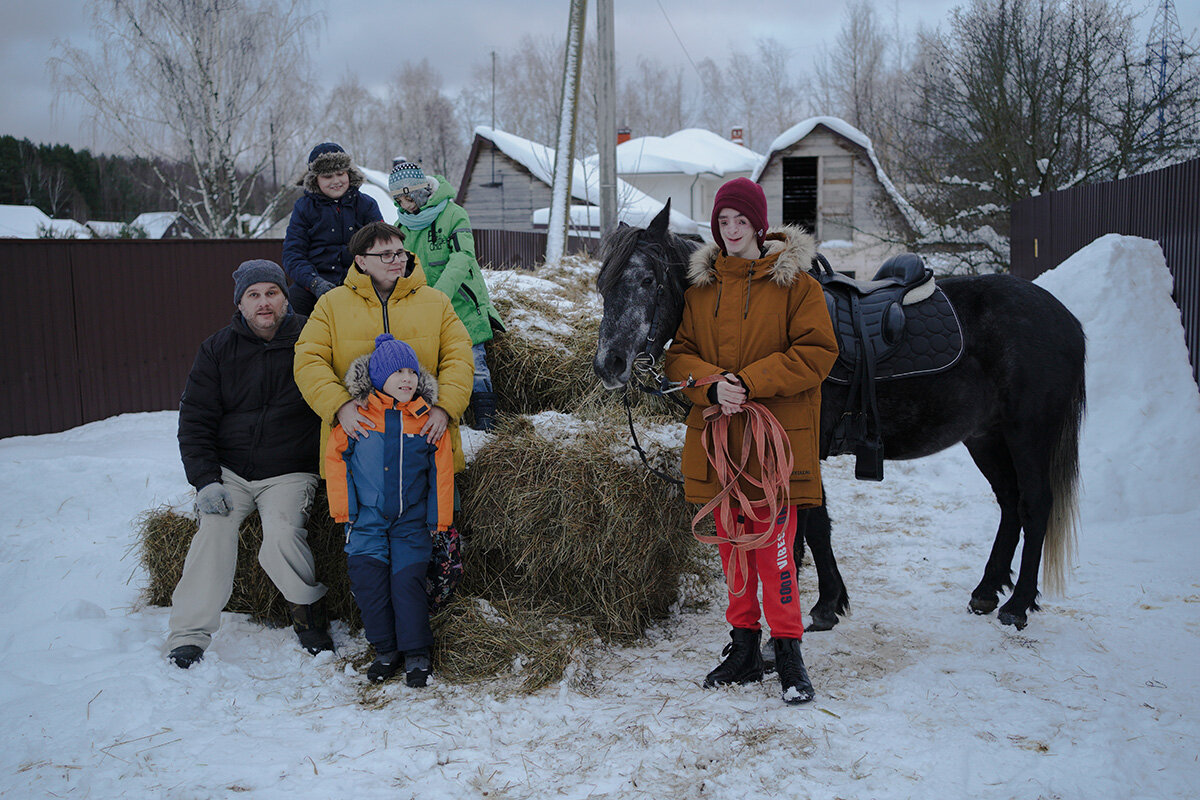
x,y
983,605
1016,619
821,622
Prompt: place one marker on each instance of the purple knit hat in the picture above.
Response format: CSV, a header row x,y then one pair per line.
x,y
391,355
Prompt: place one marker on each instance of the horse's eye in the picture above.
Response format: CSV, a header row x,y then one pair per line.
x,y
647,282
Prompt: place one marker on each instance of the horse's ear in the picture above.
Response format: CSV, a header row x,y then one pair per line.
x,y
658,226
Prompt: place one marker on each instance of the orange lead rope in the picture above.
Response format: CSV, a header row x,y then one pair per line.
x,y
762,435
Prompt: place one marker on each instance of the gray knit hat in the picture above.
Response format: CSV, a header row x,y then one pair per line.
x,y
258,270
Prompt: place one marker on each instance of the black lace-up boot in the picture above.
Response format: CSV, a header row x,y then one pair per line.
x,y
743,661
797,688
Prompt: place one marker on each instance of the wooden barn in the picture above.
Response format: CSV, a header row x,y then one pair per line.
x,y
822,175
506,179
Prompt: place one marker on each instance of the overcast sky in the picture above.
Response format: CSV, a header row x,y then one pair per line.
x,y
372,37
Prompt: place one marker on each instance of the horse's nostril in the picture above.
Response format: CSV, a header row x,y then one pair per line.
x,y
615,364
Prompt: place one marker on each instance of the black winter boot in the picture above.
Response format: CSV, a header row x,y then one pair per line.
x,y
383,667
312,626
743,662
185,655
483,406
417,668
797,688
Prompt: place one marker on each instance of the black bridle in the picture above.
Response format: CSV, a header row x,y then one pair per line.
x,y
644,376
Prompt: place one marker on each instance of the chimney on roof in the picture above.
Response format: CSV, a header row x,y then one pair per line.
x,y
735,135
623,135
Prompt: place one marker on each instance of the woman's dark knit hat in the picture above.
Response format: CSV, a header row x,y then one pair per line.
x,y
745,197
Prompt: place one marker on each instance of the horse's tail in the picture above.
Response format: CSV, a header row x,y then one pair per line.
x,y
1058,550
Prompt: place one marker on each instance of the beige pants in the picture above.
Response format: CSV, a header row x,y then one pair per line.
x,y
283,503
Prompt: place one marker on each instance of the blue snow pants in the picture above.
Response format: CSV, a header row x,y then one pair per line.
x,y
387,561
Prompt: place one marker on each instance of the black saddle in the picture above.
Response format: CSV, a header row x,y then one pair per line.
x,y
897,325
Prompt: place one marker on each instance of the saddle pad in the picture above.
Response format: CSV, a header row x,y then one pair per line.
x,y
932,341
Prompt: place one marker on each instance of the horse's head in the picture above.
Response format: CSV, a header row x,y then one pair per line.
x,y
641,282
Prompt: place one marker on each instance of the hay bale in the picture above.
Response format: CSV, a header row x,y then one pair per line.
x,y
164,535
572,527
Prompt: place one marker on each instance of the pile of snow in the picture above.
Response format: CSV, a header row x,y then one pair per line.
x,y
1142,460
1097,698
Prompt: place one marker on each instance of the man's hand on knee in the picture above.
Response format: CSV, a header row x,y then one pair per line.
x,y
214,499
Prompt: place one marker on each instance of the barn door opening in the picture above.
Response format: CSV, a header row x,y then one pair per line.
x,y
800,192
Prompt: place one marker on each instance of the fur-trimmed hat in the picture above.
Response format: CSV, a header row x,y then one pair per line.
x,y
409,179
745,197
257,270
325,159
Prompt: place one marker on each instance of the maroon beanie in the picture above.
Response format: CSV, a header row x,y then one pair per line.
x,y
745,197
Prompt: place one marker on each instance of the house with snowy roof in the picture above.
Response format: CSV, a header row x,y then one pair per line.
x,y
822,174
165,225
30,222
688,167
508,181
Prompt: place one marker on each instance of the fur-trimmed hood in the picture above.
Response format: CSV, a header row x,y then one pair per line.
x,y
358,381
327,163
790,251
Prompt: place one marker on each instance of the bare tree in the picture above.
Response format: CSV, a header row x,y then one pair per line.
x,y
1021,97
360,122
217,84
756,90
655,100
428,127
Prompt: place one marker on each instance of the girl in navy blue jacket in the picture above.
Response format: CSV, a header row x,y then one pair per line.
x,y
315,256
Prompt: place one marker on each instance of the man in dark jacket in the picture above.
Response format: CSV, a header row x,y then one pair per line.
x,y
248,440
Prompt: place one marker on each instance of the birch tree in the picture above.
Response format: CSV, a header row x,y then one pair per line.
x,y
221,85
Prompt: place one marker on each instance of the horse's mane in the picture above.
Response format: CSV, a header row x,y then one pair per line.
x,y
668,259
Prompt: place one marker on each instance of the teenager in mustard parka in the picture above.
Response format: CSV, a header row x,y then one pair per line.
x,y
384,292
754,315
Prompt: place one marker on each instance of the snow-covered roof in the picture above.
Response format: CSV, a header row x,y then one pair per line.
x,y
690,151
22,222
839,126
155,223
634,207
30,222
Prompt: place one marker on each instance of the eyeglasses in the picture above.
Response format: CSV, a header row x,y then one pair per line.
x,y
390,256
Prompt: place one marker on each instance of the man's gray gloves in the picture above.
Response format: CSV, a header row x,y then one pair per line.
x,y
214,499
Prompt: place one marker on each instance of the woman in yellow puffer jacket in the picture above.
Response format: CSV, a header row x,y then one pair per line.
x,y
385,292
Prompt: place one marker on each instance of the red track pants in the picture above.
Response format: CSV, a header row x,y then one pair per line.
x,y
774,567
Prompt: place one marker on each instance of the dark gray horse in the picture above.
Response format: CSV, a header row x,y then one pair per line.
x,y
1015,399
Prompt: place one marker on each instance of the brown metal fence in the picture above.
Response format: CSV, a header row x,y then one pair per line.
x,y
1163,205
97,327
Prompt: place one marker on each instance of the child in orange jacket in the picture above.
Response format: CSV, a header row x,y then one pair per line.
x,y
392,488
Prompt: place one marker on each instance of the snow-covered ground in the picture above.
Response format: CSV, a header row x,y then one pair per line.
x,y
917,698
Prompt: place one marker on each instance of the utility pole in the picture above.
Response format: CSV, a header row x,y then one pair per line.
x,y
606,93
564,151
